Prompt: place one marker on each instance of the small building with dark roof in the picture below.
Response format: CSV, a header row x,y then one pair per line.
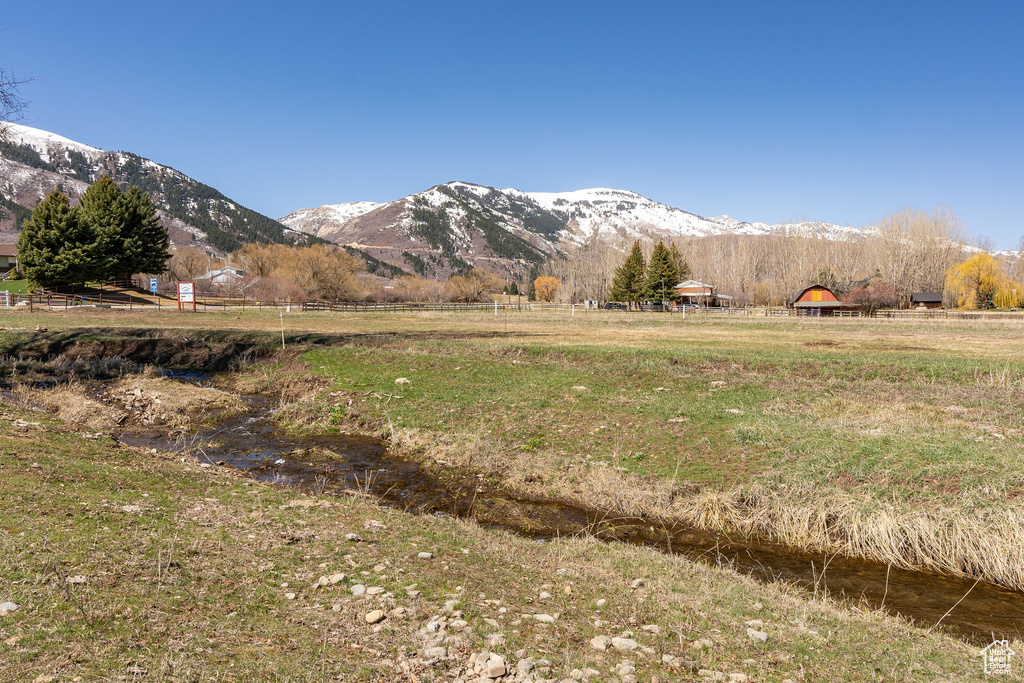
x,y
926,299
820,300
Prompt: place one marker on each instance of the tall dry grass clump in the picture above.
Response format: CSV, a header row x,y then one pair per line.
x,y
954,541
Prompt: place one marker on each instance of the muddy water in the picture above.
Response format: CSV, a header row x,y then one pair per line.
x,y
348,464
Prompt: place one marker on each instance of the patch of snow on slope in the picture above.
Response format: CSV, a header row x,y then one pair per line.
x,y
328,213
41,140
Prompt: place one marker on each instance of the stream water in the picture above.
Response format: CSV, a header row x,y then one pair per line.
x,y
338,464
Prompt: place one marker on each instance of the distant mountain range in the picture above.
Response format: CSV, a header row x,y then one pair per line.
x,y
34,162
454,226
446,229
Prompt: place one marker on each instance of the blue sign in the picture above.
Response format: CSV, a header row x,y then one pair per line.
x,y
152,284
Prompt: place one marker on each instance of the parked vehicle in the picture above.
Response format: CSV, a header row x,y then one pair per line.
x,y
615,306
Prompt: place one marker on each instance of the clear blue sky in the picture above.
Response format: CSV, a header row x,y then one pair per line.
x,y
766,111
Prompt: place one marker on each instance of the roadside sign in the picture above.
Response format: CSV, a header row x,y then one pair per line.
x,y
187,294
152,285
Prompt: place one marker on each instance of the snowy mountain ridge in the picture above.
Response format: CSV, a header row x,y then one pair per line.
x,y
34,162
451,227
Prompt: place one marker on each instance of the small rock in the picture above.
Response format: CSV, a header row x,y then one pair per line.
x,y
669,659
576,675
403,380
636,583
755,623
352,537
544,595
6,607
398,613
451,605
739,678
289,596
651,628
458,625
624,644
757,636
479,661
426,556
433,626
602,602
600,642
76,579
544,618
374,616
495,639
580,387
435,653
625,669
376,590
712,675
525,666
358,589
335,578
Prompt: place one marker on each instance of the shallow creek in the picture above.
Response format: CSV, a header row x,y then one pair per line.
x,y
350,464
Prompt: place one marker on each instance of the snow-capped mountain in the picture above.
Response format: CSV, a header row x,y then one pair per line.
x,y
34,162
312,221
456,225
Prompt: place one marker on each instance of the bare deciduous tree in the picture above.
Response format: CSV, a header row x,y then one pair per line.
x,y
12,106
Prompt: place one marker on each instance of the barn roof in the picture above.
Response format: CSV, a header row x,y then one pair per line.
x,y
816,304
926,297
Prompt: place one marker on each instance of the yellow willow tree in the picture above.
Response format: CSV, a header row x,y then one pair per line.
x,y
981,282
546,287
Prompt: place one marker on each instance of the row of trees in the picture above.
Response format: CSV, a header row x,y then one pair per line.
x,y
910,249
111,235
636,281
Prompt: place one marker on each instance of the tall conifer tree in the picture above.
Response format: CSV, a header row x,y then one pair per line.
x,y
682,267
129,239
628,283
662,276
55,247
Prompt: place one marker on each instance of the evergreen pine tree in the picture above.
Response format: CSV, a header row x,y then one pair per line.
x,y
662,276
628,283
682,267
129,239
100,211
55,246
151,237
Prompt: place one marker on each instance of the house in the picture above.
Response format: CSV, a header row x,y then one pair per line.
x,y
8,258
223,277
700,294
820,300
926,299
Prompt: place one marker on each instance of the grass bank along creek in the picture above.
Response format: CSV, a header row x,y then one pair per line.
x,y
354,465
